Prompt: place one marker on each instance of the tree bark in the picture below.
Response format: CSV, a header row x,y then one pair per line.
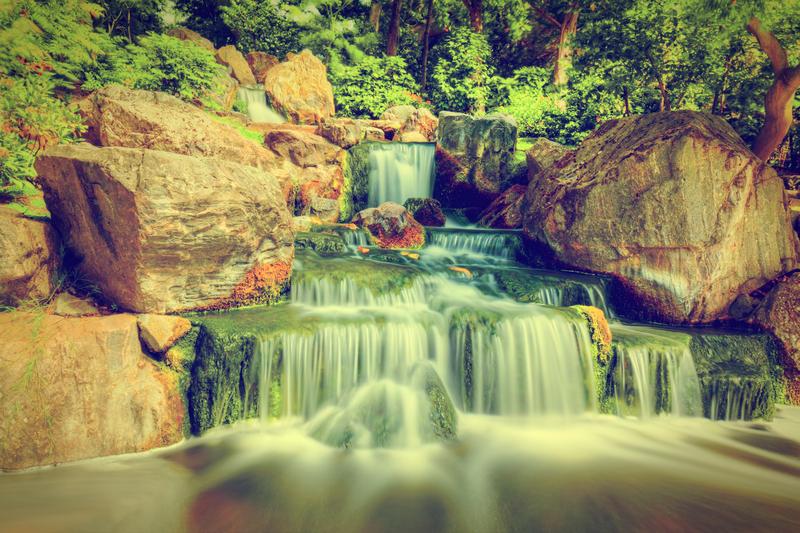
x,y
394,28
375,14
564,56
778,102
664,104
425,50
475,8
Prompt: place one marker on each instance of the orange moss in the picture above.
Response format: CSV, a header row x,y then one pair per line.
x,y
262,285
599,330
409,237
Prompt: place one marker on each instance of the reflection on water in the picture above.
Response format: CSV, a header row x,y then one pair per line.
x,y
502,474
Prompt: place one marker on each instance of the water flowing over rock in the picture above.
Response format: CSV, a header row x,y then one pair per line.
x,y
426,211
118,116
504,212
475,158
260,63
132,216
674,206
93,392
29,257
542,154
391,226
185,34
299,89
229,56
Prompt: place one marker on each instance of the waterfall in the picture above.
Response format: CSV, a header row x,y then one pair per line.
x,y
399,171
257,108
503,245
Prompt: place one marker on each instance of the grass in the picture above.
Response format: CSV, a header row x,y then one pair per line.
x,y
246,133
25,198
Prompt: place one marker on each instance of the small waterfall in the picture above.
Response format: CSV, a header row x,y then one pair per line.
x,y
399,171
356,238
257,108
494,243
320,292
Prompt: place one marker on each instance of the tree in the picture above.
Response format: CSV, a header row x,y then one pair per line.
x,y
567,26
131,17
475,8
394,28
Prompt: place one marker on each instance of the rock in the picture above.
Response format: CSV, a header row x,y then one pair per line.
x,y
267,127
674,206
162,233
388,127
475,159
423,122
324,181
398,113
426,211
339,132
391,226
741,307
302,223
323,208
118,116
374,134
542,154
160,332
29,258
66,304
299,89
185,34
227,88
229,56
504,212
779,313
302,149
93,392
260,63
413,137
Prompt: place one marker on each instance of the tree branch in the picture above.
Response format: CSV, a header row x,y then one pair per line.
x,y
541,12
770,45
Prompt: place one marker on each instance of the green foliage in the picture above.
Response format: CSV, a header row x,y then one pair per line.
x,y
240,106
261,27
130,18
460,72
205,17
368,88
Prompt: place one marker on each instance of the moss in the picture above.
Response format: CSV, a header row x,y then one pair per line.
x,y
468,322
442,414
356,177
246,133
321,243
346,204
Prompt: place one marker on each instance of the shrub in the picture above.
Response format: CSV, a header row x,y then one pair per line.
x,y
461,72
260,27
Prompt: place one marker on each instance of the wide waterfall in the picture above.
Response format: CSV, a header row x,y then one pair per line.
x,y
399,171
257,107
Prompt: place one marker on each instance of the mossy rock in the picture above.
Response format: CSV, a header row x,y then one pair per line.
x,y
322,243
472,326
356,180
442,415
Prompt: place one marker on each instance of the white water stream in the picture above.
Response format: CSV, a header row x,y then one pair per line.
x,y
257,108
399,171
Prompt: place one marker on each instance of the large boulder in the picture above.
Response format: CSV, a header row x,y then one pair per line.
x,y
542,154
185,34
91,393
302,149
398,113
226,90
426,211
299,89
118,116
504,212
229,56
422,122
29,259
323,181
391,226
341,132
475,158
674,206
260,63
161,233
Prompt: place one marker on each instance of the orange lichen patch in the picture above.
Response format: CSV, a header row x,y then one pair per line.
x,y
262,285
599,330
462,270
171,429
409,237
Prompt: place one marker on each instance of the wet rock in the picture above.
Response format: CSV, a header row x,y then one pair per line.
x,y
162,233
325,209
741,307
229,56
118,116
391,226
161,332
426,211
340,132
504,212
185,34
93,394
674,206
542,155
260,63
66,304
398,113
323,243
299,89
423,122
474,158
29,258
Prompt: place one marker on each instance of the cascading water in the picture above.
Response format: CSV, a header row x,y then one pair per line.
x,y
399,171
257,108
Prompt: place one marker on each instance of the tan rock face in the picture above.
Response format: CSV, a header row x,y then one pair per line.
x,y
160,332
398,113
118,116
504,212
422,122
229,56
89,378
185,34
260,63
542,154
674,206
342,133
227,89
66,304
29,256
299,89
374,134
324,181
161,232
302,149
413,137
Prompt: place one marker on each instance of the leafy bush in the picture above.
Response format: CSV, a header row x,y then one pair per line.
x,y
260,27
461,71
240,106
368,88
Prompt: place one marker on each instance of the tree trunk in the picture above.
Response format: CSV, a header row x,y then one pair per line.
x,y
475,8
425,50
664,104
778,102
375,14
627,101
564,57
394,28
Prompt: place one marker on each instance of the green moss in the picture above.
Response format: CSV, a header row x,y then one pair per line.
x,y
321,243
356,176
246,133
346,204
467,322
442,415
